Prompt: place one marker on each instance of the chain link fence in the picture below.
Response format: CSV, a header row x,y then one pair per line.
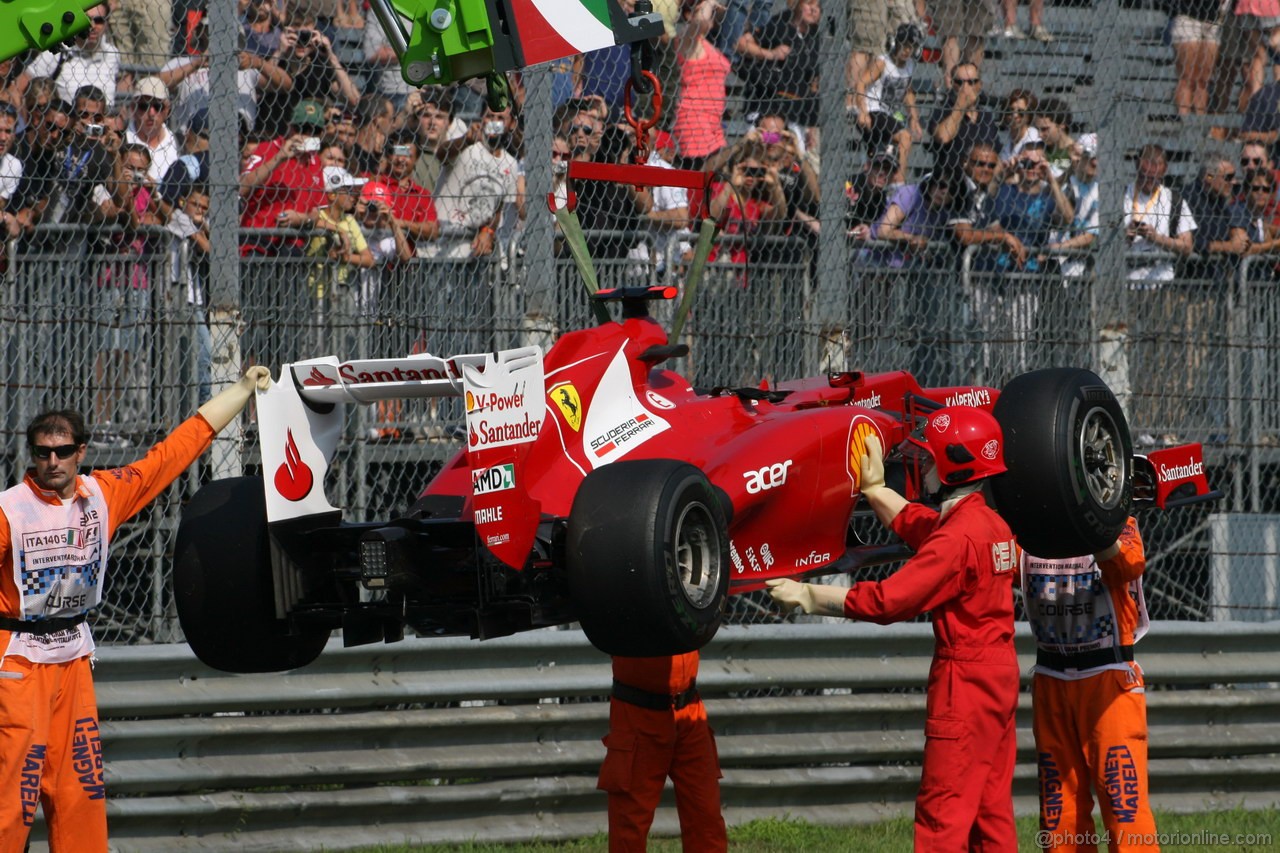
x,y
963,189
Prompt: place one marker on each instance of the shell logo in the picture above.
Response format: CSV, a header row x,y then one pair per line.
x,y
991,450
859,431
471,402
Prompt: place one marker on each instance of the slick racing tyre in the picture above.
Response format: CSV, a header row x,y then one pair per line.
x,y
648,558
1069,487
222,584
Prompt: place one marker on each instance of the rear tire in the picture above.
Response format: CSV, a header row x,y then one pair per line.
x,y
648,558
223,588
1069,487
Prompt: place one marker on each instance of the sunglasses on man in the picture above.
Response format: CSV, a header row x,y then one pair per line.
x,y
62,451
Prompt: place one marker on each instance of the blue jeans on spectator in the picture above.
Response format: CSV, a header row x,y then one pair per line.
x,y
740,16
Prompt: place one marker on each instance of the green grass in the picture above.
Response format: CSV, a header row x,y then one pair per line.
x,y
894,836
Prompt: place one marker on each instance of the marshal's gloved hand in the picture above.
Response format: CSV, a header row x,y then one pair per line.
x,y
872,467
227,403
814,598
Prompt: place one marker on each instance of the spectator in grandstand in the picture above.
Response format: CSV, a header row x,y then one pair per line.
x,y
478,188
668,212
604,72
187,77
189,170
584,132
283,180
1261,120
84,165
150,109
611,213
433,107
1261,20
960,121
375,116
975,222
1052,120
865,192
799,187
339,129
1081,189
1156,219
263,23
1259,193
961,24
143,30
308,58
1019,107
190,261
1028,209
779,64
115,125
333,155
560,157
380,58
1194,31
918,215
10,166
886,102
41,91
1255,155
1221,235
740,16
127,200
90,59
703,70
12,95
1037,31
47,686
387,238
749,203
338,239
41,151
410,204
870,22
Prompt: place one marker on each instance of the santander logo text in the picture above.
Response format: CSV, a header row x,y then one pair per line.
x,y
1192,468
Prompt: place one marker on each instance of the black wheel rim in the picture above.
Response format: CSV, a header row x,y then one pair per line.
x,y
1102,457
697,554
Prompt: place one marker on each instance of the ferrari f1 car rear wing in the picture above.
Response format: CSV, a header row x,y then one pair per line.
x,y
300,418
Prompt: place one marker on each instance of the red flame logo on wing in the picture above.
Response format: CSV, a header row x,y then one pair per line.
x,y
293,478
317,378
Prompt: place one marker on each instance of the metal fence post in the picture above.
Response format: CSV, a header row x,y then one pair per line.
x,y
224,218
828,320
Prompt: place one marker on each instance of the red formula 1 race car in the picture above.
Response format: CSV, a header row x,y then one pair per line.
x,y
598,486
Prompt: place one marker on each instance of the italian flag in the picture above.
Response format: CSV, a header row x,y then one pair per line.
x,y
554,29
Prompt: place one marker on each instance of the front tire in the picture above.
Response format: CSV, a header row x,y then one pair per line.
x,y
1069,487
648,558
223,588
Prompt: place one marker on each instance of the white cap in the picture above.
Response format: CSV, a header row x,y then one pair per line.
x,y
1089,142
338,178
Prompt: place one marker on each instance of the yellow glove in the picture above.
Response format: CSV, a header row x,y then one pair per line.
x,y
227,403
872,466
810,598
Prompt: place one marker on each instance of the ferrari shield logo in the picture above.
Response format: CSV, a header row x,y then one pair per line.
x,y
569,403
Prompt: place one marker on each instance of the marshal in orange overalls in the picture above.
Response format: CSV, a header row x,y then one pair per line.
x,y
658,728
1088,698
50,751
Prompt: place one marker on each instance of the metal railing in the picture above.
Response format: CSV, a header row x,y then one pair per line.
x,y
450,740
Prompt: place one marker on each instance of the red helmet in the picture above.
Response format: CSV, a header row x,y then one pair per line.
x,y
966,444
